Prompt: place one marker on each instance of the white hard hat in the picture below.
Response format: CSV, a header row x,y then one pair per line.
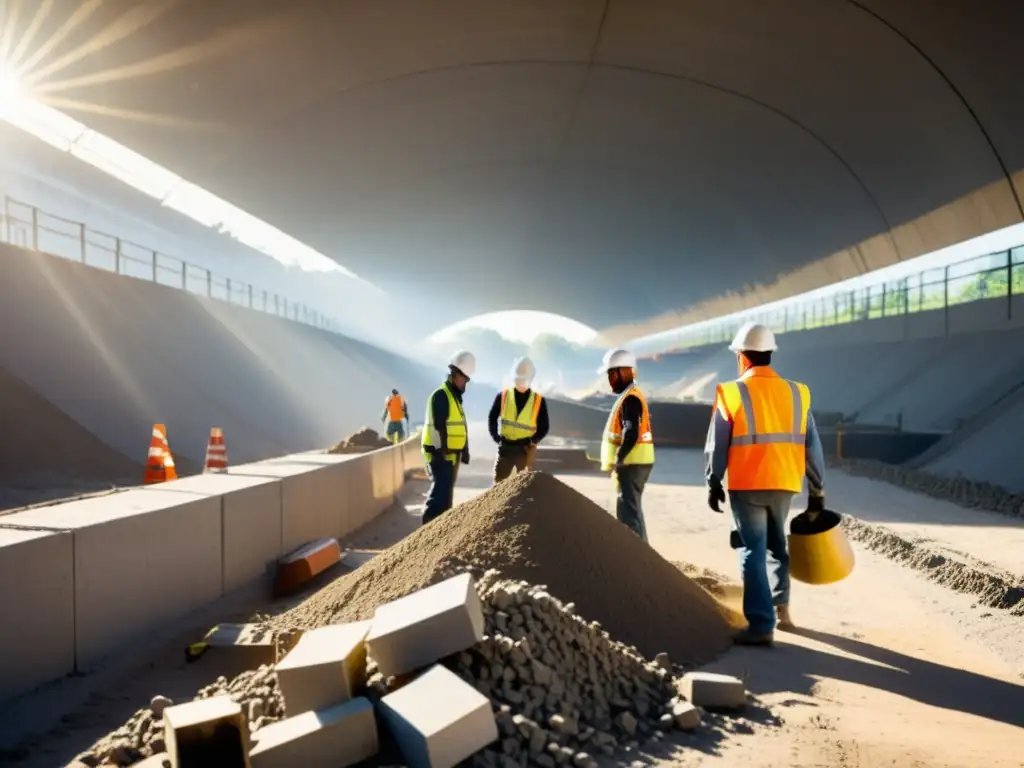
x,y
753,337
523,369
464,361
617,358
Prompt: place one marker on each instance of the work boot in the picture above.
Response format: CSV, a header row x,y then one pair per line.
x,y
785,621
746,637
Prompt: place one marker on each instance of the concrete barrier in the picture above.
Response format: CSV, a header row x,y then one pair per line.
x,y
86,578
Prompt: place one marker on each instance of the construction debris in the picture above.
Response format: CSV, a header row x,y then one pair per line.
x,y
326,667
205,733
362,441
713,691
341,735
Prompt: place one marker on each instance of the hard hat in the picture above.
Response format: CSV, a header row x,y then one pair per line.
x,y
464,361
523,370
617,358
753,337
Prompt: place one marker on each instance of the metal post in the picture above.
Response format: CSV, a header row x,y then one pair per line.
x,y
228,289
906,296
209,283
117,255
277,304
945,300
82,241
884,298
154,266
35,228
184,275
839,440
1009,283
250,295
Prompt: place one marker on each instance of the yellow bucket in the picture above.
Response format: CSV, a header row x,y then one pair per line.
x,y
819,552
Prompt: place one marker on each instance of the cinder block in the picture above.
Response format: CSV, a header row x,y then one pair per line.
x,y
326,667
235,648
712,690
685,715
337,736
37,606
207,732
421,628
143,559
438,720
308,561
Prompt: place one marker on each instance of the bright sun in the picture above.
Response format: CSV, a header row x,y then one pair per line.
x,y
522,325
10,90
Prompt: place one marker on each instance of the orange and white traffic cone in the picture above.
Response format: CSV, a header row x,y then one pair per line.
x,y
160,463
216,452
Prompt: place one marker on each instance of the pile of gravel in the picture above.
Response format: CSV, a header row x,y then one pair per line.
x,y
364,440
959,490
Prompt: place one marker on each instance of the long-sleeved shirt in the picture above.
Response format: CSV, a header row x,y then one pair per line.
x,y
386,416
494,418
439,410
631,414
716,452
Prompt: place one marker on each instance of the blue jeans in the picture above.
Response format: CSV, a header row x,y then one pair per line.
x,y
442,488
630,482
761,521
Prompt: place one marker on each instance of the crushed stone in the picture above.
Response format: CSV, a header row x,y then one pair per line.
x,y
360,441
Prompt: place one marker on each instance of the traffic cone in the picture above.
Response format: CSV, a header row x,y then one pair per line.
x,y
216,452
160,464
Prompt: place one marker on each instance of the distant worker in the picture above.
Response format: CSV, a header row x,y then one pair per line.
x,y
762,436
627,447
395,409
523,417
445,435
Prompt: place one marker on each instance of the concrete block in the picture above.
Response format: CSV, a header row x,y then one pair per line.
x,y
424,627
337,736
326,667
685,715
313,494
438,720
235,648
207,732
308,561
143,559
252,522
712,690
37,609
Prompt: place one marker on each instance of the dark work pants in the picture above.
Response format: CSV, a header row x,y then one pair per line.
x,y
517,457
442,488
629,487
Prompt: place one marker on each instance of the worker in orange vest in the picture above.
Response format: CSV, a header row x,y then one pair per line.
x,y
763,438
395,409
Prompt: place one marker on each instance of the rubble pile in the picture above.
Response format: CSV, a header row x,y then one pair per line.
x,y
959,490
364,440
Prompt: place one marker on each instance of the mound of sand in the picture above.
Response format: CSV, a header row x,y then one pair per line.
x,y
42,444
535,528
360,442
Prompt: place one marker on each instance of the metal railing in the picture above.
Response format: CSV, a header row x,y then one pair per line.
x,y
28,226
995,276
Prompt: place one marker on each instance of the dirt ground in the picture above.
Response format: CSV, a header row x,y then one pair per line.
x,y
889,668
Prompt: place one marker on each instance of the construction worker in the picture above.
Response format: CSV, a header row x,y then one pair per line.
x,y
395,409
523,416
627,448
445,438
762,436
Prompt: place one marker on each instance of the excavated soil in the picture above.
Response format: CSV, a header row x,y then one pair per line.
x,y
362,441
535,528
957,571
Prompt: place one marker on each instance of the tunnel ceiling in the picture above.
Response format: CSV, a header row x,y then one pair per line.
x,y
632,164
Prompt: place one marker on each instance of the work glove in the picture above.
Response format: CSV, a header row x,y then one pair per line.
x,y
716,496
815,503
465,457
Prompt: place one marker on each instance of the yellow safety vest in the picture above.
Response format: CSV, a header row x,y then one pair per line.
x,y
643,451
769,431
455,426
519,426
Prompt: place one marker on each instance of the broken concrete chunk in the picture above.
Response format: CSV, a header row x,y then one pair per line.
x,y
207,732
712,690
326,667
685,715
424,627
438,720
341,735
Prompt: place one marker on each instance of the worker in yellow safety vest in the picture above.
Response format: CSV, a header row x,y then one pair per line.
x,y
763,438
395,409
627,446
518,421
445,441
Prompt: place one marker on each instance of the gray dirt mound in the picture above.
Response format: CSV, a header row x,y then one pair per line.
x,y
989,585
359,442
534,528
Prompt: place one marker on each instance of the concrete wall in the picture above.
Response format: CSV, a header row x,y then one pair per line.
x,y
118,355
85,578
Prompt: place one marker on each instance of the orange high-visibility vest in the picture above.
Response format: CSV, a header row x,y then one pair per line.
x,y
643,451
769,430
396,408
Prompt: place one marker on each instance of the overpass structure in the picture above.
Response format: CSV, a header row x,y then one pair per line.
x,y
633,164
